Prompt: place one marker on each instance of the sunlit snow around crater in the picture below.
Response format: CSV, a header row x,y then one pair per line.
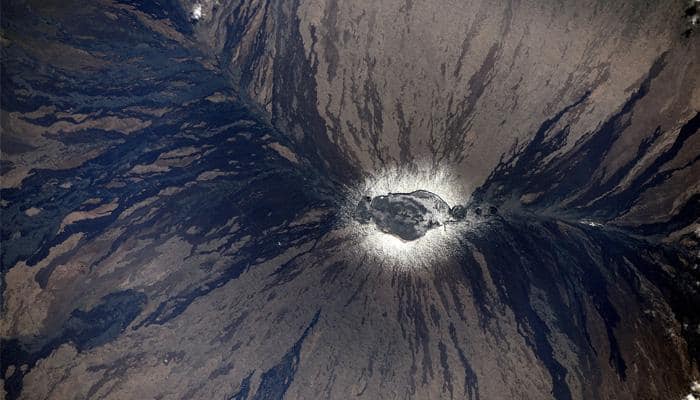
x,y
434,244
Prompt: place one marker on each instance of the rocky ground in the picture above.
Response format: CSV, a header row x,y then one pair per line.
x,y
176,179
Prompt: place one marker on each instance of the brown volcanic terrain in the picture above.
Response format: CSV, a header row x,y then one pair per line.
x,y
467,84
175,191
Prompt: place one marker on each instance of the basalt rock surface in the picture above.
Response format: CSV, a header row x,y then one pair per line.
x,y
176,177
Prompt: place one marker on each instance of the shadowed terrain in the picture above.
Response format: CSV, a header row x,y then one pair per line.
x,y
176,187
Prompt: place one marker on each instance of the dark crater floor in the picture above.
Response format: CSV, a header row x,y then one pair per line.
x,y
408,216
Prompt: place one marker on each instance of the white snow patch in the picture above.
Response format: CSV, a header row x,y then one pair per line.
x,y
591,223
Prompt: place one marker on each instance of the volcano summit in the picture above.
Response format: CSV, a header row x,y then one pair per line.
x,y
407,215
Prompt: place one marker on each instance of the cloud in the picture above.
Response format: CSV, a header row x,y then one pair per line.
x,y
196,11
695,391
